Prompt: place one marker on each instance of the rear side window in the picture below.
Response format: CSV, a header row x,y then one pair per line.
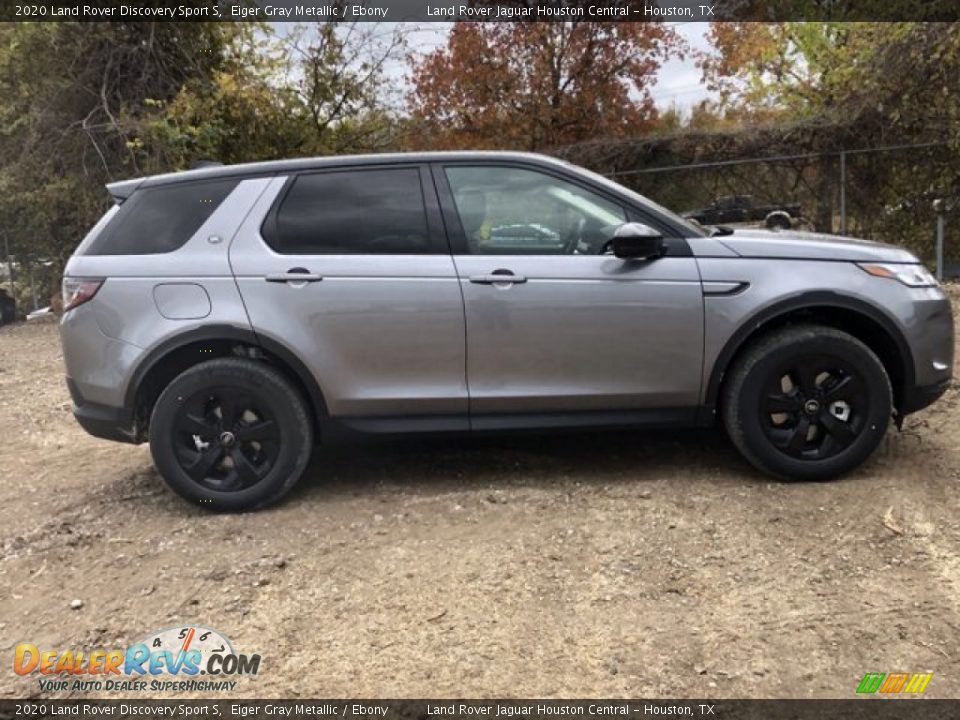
x,y
377,211
161,219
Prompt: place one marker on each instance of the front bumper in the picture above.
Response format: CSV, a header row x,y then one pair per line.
x,y
102,421
918,397
927,321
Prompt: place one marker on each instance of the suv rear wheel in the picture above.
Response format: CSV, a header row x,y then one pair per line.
x,y
231,434
807,403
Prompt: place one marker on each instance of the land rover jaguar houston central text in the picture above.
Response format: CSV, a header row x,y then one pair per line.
x,y
235,316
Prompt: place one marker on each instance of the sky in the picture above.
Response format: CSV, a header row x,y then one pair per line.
x,y
679,80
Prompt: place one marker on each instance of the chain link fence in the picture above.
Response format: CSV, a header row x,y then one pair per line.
x,y
897,193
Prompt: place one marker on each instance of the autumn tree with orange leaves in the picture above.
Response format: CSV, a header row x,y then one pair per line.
x,y
530,86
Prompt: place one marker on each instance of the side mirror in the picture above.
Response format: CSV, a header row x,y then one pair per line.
x,y
637,241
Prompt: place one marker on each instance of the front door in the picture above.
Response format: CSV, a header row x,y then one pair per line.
x,y
554,324
349,268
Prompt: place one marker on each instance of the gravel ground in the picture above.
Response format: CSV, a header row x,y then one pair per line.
x,y
592,564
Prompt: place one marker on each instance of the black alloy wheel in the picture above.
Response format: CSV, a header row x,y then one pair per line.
x,y
814,407
226,439
231,434
806,402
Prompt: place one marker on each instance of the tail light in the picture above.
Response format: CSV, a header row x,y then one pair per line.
x,y
76,291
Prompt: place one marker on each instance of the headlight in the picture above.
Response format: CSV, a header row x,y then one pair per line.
x,y
910,275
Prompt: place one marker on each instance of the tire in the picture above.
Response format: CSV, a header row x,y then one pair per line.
x,y
231,435
802,377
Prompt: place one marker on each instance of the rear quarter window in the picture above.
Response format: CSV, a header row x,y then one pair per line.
x,y
160,219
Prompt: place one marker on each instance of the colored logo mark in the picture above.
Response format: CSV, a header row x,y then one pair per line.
x,y
893,683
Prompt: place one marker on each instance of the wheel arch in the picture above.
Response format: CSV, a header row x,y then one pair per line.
x,y
864,321
181,352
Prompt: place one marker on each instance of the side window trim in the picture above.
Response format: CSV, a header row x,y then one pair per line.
x,y
677,245
268,228
432,213
456,237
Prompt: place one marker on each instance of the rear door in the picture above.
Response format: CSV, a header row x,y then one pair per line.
x,y
555,326
349,268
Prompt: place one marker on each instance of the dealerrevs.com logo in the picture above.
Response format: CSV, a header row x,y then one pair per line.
x,y
190,658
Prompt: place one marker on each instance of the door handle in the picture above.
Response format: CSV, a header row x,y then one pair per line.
x,y
500,276
293,275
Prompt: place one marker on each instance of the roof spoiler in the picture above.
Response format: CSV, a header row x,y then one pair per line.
x,y
123,189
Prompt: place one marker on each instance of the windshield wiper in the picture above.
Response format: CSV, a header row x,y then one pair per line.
x,y
720,230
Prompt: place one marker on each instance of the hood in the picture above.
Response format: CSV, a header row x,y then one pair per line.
x,y
794,245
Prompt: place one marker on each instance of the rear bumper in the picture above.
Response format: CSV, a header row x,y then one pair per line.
x,y
102,421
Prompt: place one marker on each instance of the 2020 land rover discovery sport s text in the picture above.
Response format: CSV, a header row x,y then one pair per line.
x,y
236,315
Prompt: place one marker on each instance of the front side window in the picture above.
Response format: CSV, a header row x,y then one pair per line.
x,y
377,211
514,211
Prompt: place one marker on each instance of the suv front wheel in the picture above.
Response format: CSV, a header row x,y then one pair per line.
x,y
231,434
807,402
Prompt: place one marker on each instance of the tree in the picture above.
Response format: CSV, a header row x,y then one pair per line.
x,y
341,84
84,104
244,111
868,83
314,90
530,85
73,98
837,72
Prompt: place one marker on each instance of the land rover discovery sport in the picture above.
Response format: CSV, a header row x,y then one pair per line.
x,y
235,316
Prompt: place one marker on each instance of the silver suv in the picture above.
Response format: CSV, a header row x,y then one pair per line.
x,y
236,315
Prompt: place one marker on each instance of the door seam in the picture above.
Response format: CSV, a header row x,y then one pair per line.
x,y
463,300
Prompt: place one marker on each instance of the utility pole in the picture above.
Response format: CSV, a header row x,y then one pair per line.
x,y
941,206
33,288
940,247
843,192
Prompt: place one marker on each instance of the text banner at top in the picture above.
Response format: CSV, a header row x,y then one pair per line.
x,y
480,10
611,709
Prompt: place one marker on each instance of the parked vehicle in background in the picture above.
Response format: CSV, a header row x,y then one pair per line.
x,y
234,316
746,208
44,313
8,308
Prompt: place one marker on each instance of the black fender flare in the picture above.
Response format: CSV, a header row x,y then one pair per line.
x,y
817,299
230,333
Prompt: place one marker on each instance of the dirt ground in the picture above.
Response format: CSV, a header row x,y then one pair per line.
x,y
593,564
